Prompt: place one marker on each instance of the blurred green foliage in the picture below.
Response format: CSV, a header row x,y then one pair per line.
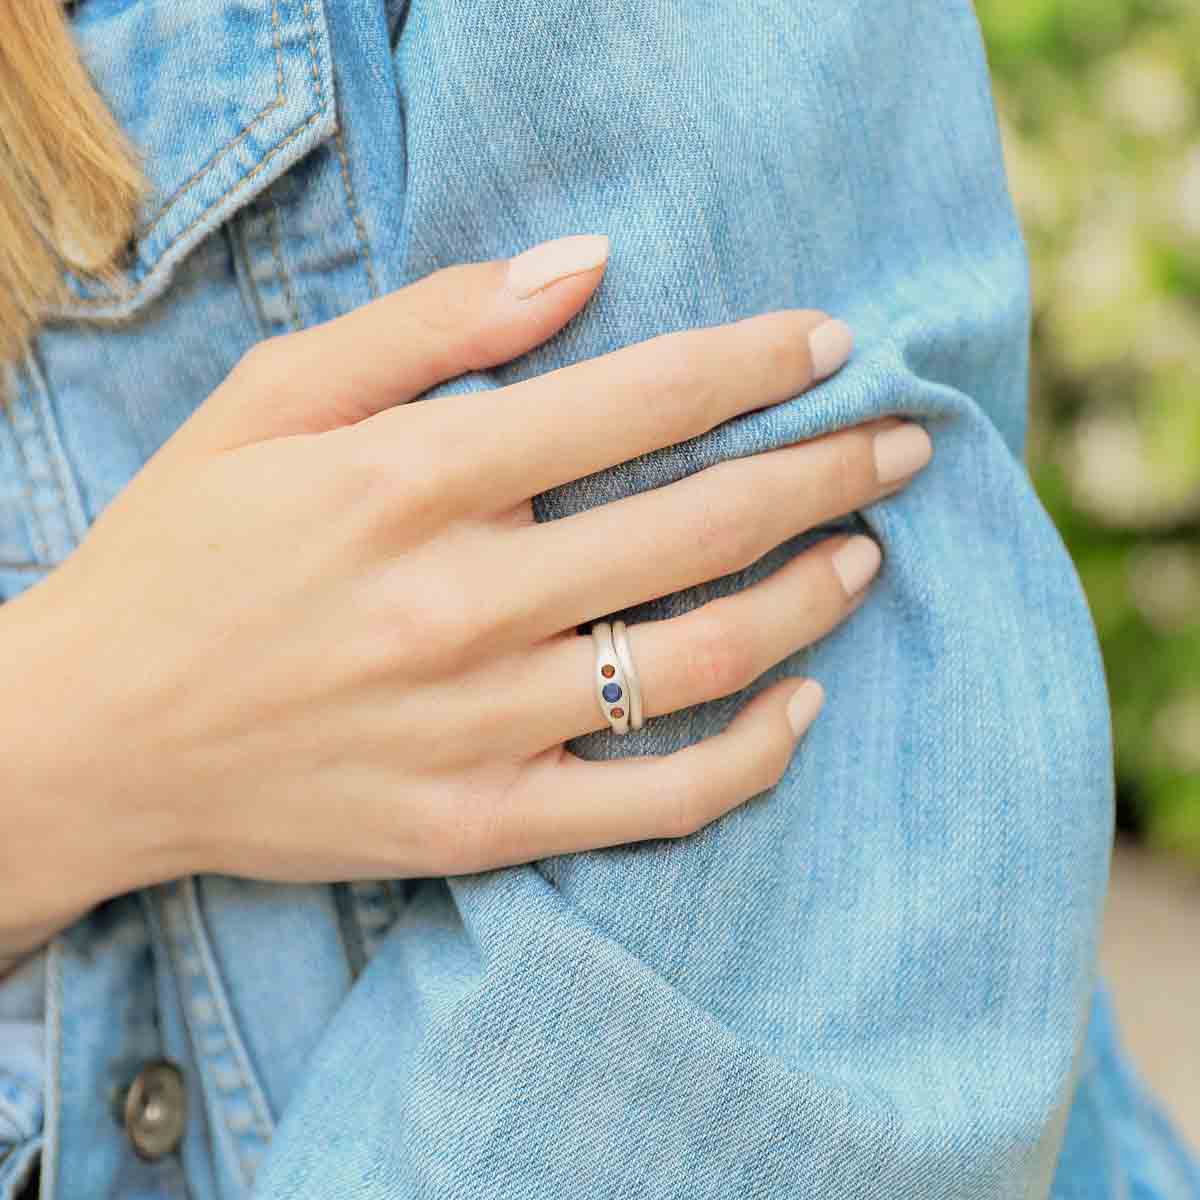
x,y
1099,104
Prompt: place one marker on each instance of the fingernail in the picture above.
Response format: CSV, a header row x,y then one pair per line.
x,y
804,705
901,452
830,344
857,563
537,268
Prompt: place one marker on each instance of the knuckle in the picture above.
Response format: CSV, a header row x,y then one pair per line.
x,y
414,486
449,317
442,625
847,482
782,352
263,363
688,817
689,396
396,486
767,770
441,328
473,835
697,805
719,658
431,336
458,840
725,528
676,799
441,316
485,826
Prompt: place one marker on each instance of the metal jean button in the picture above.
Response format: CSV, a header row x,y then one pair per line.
x,y
155,1109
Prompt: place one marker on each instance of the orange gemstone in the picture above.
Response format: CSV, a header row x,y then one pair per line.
x,y
608,670
618,712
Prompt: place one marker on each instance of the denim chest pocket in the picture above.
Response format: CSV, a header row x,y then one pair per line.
x,y
220,98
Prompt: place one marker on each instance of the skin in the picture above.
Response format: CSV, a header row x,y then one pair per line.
x,y
295,647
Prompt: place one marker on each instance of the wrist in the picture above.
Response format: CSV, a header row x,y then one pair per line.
x,y
78,828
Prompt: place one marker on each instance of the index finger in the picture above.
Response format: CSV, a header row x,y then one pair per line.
x,y
526,438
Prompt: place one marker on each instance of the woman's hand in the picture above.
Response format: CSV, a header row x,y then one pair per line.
x,y
321,636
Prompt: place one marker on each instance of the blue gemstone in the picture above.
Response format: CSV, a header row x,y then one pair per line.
x,y
612,691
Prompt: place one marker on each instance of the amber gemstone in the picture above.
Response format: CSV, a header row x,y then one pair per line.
x,y
618,712
608,670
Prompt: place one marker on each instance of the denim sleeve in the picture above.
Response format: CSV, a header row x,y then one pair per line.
x,y
873,979
21,1034
1119,1139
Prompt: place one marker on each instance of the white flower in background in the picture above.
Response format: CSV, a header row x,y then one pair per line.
x,y
1187,205
1146,93
1177,732
1165,584
1111,473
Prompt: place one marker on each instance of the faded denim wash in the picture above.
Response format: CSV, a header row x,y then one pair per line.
x,y
876,980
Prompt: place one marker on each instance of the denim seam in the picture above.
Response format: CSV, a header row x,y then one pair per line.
x,y
52,1099
42,546
199,936
352,208
318,90
73,507
274,222
236,237
277,103
34,423
192,971
351,199
11,388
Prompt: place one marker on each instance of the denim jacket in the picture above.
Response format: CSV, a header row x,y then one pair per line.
x,y
878,978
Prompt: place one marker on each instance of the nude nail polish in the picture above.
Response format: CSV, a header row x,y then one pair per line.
x,y
804,705
535,269
901,452
830,344
857,563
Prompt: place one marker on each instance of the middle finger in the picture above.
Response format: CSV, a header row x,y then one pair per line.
x,y
713,523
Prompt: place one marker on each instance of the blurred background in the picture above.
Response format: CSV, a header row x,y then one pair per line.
x,y
1099,105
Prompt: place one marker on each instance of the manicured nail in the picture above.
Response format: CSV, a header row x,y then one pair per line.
x,y
830,344
857,563
804,705
901,452
537,268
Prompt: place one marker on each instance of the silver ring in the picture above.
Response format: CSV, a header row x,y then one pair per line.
x,y
611,685
620,638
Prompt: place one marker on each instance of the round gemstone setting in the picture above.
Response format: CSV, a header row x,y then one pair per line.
x,y
612,691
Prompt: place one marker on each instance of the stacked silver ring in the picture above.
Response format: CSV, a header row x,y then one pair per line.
x,y
617,685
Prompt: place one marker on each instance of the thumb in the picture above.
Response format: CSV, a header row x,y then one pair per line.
x,y
460,318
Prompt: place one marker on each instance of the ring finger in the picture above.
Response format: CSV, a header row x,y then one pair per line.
x,y
710,652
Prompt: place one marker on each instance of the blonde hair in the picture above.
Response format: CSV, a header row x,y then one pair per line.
x,y
70,183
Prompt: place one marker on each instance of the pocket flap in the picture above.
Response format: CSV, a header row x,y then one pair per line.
x,y
220,97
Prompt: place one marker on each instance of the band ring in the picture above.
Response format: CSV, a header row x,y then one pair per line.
x,y
612,685
620,637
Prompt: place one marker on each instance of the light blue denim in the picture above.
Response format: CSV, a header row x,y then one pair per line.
x,y
875,980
